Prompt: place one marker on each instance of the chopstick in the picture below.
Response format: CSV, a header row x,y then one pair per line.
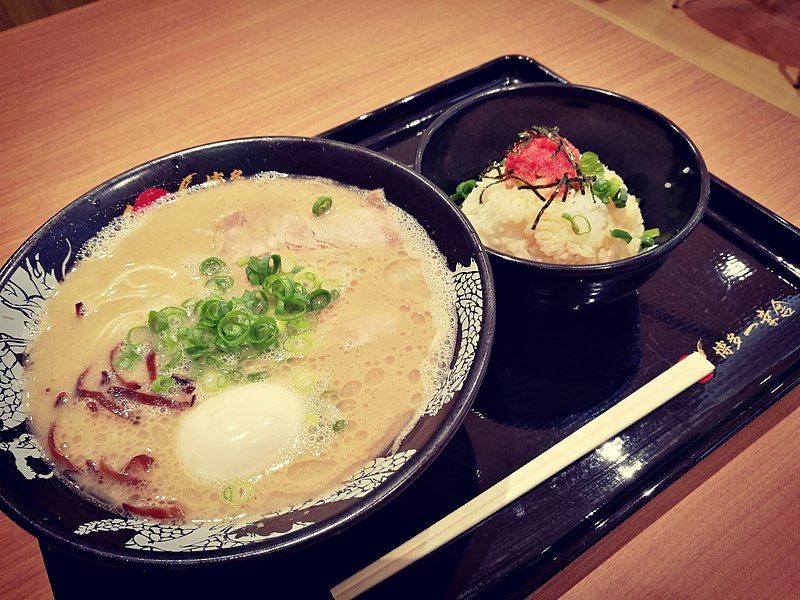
x,y
625,413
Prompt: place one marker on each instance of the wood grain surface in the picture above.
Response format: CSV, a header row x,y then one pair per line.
x,y
94,91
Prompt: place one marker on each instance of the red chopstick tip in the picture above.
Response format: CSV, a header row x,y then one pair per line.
x,y
705,379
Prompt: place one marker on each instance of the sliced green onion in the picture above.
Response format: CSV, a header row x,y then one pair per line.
x,y
647,237
600,189
281,287
299,344
163,384
221,282
339,425
263,333
213,310
290,308
318,299
138,335
253,271
196,351
590,165
157,322
174,316
308,280
329,284
169,353
259,269
620,199
580,224
322,205
302,323
299,289
621,234
274,264
257,302
127,357
257,376
465,187
234,375
614,185
213,381
463,190
233,328
238,492
305,380
212,266
201,335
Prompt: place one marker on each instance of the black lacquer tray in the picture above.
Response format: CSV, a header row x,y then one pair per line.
x,y
733,285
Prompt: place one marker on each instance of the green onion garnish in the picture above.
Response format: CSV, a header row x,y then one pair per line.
x,y
580,224
173,316
281,287
620,199
233,328
263,333
215,338
302,323
138,335
339,425
156,322
222,282
322,205
212,266
614,185
290,308
621,234
169,352
259,269
648,235
318,299
463,190
308,280
127,357
589,165
600,189
465,187
163,384
298,344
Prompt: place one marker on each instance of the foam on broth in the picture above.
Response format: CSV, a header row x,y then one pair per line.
x,y
379,351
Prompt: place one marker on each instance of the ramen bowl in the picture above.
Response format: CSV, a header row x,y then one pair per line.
x,y
59,517
655,158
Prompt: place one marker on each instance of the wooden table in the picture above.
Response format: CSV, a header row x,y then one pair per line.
x,y
89,93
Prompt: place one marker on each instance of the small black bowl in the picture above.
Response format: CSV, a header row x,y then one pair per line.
x,y
658,162
59,517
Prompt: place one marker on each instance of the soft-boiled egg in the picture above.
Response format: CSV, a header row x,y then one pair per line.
x,y
240,430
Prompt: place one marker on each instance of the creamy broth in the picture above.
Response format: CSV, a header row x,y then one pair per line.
x,y
355,381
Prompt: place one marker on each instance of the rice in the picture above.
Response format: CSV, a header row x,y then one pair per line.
x,y
504,216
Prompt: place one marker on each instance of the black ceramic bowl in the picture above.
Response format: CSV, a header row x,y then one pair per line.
x,y
659,164
42,504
